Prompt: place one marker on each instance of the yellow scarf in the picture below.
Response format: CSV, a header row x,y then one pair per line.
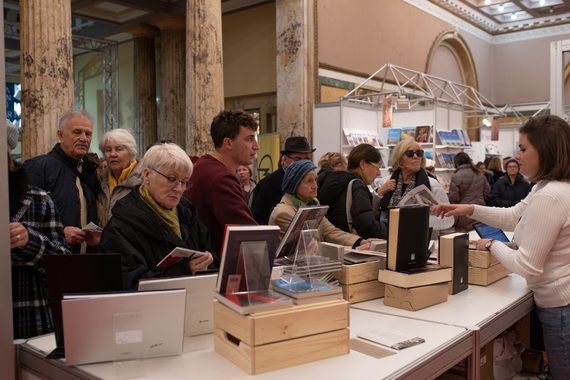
x,y
113,182
170,217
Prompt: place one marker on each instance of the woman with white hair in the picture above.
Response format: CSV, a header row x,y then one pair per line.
x,y
123,171
153,219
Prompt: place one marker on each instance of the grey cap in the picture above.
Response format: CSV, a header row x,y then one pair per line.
x,y
11,135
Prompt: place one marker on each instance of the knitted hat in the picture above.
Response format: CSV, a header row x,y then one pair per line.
x,y
11,135
294,174
507,162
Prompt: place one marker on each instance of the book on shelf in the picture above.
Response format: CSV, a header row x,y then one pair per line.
x,y
414,277
349,137
394,136
428,154
456,138
466,139
408,133
454,252
423,134
254,302
443,137
446,160
247,258
178,254
408,237
297,288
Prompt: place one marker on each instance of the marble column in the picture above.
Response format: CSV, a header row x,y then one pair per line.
x,y
171,112
144,86
204,72
46,71
295,67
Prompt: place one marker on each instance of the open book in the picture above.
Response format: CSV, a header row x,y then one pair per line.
x,y
176,255
420,195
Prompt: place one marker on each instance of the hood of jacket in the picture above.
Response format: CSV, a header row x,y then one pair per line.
x,y
333,184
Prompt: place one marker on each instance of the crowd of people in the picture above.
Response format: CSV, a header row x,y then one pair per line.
x,y
149,204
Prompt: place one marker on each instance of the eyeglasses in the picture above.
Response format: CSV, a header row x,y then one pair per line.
x,y
295,158
376,165
173,180
410,153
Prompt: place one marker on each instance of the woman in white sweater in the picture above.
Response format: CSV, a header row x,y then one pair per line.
x,y
541,224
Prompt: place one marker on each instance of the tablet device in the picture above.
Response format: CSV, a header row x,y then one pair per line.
x,y
487,232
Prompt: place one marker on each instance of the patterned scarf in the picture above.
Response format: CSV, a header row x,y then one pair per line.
x,y
398,195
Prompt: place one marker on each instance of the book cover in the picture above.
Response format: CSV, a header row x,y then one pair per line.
x,y
423,134
300,288
247,256
405,222
394,136
453,252
444,137
254,302
408,133
466,139
454,138
303,216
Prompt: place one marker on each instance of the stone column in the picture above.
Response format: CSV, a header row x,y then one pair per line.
x,y
204,72
171,115
295,67
46,71
144,86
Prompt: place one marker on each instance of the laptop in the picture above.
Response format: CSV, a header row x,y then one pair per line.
x,y
78,274
122,326
488,232
199,309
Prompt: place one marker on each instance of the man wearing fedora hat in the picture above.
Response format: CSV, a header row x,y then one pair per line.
x,y
267,194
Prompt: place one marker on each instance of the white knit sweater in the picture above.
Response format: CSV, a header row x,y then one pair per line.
x,y
541,224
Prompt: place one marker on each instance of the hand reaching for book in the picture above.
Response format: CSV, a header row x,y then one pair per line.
x,y
200,263
443,210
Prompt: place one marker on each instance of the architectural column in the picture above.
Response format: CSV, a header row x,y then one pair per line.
x,y
295,67
46,71
144,86
204,72
171,113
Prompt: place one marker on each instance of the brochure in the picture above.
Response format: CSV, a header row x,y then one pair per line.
x,y
389,337
420,195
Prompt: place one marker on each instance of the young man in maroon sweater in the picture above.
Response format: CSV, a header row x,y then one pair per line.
x,y
215,190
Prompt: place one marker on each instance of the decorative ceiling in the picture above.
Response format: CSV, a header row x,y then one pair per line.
x,y
507,16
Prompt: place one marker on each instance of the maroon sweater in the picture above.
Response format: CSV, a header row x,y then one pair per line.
x,y
218,196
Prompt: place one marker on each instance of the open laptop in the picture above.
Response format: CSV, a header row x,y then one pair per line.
x,y
488,232
199,309
122,326
78,274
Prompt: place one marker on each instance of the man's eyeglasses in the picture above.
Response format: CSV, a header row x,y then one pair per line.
x,y
410,153
376,165
295,158
172,180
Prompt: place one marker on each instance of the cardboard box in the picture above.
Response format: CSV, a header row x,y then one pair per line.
x,y
363,291
481,259
486,276
270,340
415,298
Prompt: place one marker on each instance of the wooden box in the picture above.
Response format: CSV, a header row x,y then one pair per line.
x,y
481,259
415,298
362,291
486,276
271,340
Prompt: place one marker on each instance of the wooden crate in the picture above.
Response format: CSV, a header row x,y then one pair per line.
x,y
481,259
486,276
355,273
270,340
362,291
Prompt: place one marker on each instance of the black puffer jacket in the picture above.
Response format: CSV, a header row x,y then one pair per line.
x,y
266,195
332,192
143,238
506,194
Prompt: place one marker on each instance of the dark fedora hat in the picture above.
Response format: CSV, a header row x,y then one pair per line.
x,y
297,144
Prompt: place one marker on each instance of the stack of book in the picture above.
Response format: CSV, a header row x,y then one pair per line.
x,y
412,283
484,268
307,290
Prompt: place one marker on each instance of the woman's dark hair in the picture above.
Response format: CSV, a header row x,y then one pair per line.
x,y
550,136
364,152
463,158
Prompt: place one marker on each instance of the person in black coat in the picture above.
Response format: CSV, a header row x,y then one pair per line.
x,y
363,166
267,194
511,188
153,219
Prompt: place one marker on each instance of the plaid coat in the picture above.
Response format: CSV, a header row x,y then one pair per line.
x,y
37,213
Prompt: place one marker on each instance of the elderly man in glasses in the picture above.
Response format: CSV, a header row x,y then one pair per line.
x,y
408,164
268,193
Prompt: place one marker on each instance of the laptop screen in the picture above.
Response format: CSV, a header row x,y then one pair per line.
x,y
487,232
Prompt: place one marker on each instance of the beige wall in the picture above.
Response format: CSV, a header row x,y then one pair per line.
x,y
445,65
249,45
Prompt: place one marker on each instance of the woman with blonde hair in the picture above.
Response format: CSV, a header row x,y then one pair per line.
x,y
153,219
331,161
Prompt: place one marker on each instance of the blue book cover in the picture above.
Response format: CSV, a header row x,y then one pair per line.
x,y
394,136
